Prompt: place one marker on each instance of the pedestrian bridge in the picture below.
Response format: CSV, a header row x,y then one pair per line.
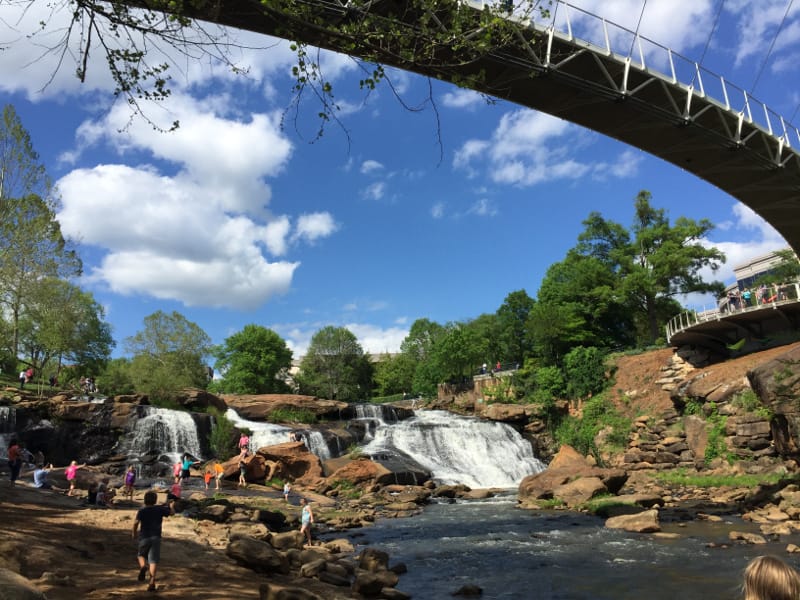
x,y
741,328
576,66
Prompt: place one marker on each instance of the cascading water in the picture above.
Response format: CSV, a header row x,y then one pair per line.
x,y
458,449
374,416
269,434
162,431
263,434
8,426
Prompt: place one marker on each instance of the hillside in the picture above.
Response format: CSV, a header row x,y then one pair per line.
x,y
636,377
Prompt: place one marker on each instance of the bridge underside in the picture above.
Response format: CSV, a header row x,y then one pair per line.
x,y
545,71
744,332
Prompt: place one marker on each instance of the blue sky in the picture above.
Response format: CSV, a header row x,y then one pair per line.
x,y
233,220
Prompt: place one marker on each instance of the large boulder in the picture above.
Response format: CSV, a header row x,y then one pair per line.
x,y
200,400
260,407
642,522
290,460
257,555
566,467
777,384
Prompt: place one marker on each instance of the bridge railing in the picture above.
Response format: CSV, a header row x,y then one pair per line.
x,y
580,26
773,297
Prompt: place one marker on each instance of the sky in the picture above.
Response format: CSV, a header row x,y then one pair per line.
x,y
242,216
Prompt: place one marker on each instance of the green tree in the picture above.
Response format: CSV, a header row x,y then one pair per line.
x,y
116,378
512,317
660,260
252,360
394,374
418,346
21,173
487,328
64,324
168,355
335,366
458,352
33,250
585,372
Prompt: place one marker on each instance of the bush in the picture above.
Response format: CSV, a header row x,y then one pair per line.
x,y
598,413
585,372
222,439
292,415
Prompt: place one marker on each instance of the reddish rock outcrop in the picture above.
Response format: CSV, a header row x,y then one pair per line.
x,y
260,407
567,467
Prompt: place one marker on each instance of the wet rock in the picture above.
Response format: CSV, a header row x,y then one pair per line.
x,y
268,591
468,590
643,522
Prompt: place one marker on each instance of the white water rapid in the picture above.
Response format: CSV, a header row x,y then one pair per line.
x,y
457,449
165,432
270,434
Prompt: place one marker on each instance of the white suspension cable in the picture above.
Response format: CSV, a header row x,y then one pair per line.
x,y
771,46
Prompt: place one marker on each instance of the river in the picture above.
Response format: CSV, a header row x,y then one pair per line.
x,y
549,555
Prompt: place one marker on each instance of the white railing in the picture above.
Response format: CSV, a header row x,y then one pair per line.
x,y
603,36
775,297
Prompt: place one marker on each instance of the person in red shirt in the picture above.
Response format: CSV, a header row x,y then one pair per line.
x,y
14,460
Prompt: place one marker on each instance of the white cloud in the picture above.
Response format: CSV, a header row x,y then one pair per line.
x,y
461,98
134,215
374,339
370,166
483,208
437,210
374,191
529,147
314,226
761,238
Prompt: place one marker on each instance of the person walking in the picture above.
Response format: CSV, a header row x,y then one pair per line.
x,y
306,520
769,578
71,472
244,441
286,489
242,472
150,518
219,472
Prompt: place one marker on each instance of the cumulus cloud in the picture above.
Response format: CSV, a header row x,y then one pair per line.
x,y
437,210
374,339
314,226
528,148
747,236
196,228
461,98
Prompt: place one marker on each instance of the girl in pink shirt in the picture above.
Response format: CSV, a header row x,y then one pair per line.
x,y
71,472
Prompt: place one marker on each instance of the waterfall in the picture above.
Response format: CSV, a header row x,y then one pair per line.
x,y
316,444
263,434
374,416
162,431
8,419
458,449
270,434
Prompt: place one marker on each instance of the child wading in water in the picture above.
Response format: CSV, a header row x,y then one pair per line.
x,y
71,472
130,479
207,477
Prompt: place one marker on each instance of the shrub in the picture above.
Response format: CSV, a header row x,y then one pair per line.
x,y
585,371
222,439
293,415
598,413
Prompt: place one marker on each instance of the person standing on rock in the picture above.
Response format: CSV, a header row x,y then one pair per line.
x,y
14,460
769,578
130,480
287,487
150,517
242,472
244,441
186,465
219,472
306,520
71,472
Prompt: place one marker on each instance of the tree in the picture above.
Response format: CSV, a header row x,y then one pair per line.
x,y
65,324
21,173
458,352
251,361
425,36
33,249
419,346
394,374
168,355
335,366
660,262
512,317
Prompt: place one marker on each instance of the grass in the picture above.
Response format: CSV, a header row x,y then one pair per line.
x,y
293,415
682,477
